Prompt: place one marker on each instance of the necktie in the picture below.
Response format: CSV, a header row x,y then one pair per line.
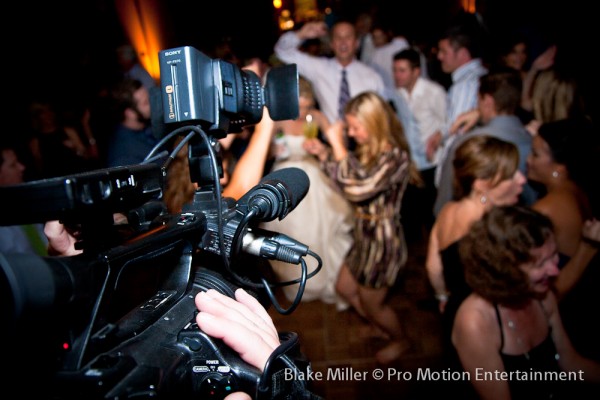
x,y
344,95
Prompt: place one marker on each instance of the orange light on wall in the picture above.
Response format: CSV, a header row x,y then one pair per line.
x,y
277,4
469,6
142,24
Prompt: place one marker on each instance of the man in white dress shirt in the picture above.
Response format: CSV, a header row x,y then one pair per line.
x,y
427,102
325,73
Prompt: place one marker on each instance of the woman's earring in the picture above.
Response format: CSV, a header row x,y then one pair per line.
x,y
555,174
483,199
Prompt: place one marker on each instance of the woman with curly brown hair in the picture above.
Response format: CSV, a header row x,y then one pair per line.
x,y
508,332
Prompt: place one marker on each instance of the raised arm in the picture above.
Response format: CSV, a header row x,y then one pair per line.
x,y
250,167
287,48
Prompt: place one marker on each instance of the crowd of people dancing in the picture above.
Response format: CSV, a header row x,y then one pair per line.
x,y
475,145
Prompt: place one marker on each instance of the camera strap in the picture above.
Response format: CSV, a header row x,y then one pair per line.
x,y
285,372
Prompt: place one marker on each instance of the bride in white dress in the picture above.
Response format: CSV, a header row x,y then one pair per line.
x,y
323,219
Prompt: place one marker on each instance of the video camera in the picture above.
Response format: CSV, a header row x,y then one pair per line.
x,y
118,320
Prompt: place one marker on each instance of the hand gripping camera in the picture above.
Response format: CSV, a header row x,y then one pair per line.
x,y
118,320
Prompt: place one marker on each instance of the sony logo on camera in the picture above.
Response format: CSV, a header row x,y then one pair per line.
x,y
172,52
219,96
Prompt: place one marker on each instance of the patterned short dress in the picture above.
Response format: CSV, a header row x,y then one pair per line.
x,y
379,251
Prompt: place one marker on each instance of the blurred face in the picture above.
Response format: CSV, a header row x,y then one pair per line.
x,y
363,24
449,58
11,170
487,107
344,42
544,267
404,75
379,37
507,192
305,104
142,101
540,163
517,57
356,129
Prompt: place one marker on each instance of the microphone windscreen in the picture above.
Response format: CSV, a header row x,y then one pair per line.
x,y
277,193
293,179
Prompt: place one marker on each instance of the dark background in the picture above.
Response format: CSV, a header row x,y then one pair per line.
x,y
67,47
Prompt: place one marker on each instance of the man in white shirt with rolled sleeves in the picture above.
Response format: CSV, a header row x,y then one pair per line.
x,y
325,73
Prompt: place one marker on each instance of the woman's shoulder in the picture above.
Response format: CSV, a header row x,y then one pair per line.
x,y
454,212
476,316
557,204
453,222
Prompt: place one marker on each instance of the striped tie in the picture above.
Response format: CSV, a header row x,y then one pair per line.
x,y
344,95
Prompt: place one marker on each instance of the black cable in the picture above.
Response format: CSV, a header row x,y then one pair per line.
x,y
165,139
178,148
155,158
236,243
298,297
298,280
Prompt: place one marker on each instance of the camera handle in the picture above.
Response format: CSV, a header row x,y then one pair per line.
x,y
201,166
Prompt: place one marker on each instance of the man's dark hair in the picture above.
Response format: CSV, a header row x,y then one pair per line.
x,y
411,55
505,87
462,36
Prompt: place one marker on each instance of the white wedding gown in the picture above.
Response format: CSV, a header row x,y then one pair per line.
x,y
322,221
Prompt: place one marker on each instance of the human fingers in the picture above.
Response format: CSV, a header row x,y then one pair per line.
x,y
313,146
238,396
429,153
533,126
60,241
431,145
319,28
253,343
225,307
249,301
258,317
591,230
456,126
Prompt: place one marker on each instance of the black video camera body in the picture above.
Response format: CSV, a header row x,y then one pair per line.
x,y
154,350
118,320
